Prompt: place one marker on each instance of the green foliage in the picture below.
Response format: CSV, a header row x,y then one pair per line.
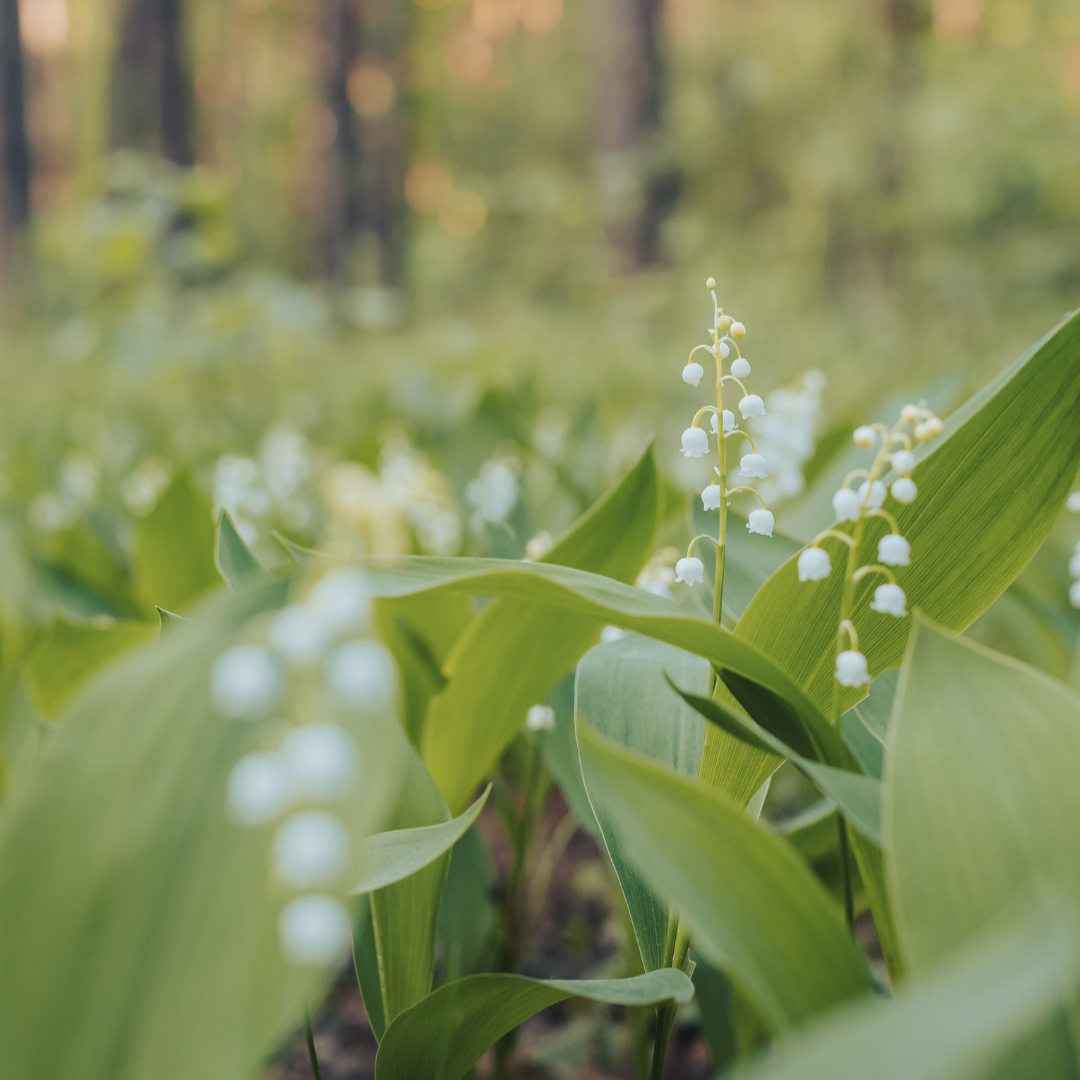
x,y
234,559
445,1035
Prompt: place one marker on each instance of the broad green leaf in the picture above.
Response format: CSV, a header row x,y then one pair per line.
x,y
70,653
448,1032
77,555
957,1021
559,748
235,560
394,945
814,835
133,912
468,913
621,692
875,709
392,856
858,797
512,655
167,619
174,547
752,904
603,600
980,790
421,631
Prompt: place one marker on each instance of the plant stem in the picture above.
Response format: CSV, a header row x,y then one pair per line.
x,y
665,1014
315,1070
721,546
845,862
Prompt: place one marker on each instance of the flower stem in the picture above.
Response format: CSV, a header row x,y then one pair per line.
x,y
315,1070
665,1014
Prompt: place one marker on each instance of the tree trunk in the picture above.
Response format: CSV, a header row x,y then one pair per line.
x,y
152,94
637,190
14,147
363,230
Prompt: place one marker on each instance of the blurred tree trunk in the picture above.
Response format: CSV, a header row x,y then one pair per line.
x,y
363,230
14,146
638,192
151,98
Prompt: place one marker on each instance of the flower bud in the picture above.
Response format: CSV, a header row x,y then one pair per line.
x,y
864,436
710,284
851,669
903,461
1074,594
889,600
691,374
725,350
695,443
894,550
929,429
723,324
740,367
814,565
909,413
710,497
751,405
752,466
871,495
761,522
690,570
540,718
846,505
738,330
904,490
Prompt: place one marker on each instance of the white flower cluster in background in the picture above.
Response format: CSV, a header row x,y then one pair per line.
x,y
422,494
315,765
860,506
493,494
1074,563
76,488
786,435
658,574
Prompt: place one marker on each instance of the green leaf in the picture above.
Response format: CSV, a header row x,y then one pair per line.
x,y
167,618
468,913
875,709
394,943
448,1032
621,693
138,924
235,560
174,546
511,656
559,748
79,556
753,906
300,555
955,1022
392,856
981,796
858,797
70,653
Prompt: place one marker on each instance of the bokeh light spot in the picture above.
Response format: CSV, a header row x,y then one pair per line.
x,y
469,58
43,26
463,213
957,19
539,16
426,187
371,90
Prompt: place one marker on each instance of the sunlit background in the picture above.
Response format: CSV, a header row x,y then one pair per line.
x,y
423,275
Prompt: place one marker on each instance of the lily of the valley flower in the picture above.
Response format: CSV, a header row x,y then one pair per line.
x,y
690,570
851,668
871,494
761,522
710,497
753,466
864,436
695,443
846,505
904,490
751,405
903,461
894,550
740,367
929,429
691,374
889,600
814,564
729,422
1074,594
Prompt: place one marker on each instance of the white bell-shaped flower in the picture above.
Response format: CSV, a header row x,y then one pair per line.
x,y
851,668
311,848
321,759
929,429
259,789
691,374
761,522
846,505
300,633
710,497
864,436
889,599
738,330
540,718
1074,502
903,461
1074,566
909,413
752,466
894,550
314,930
690,570
751,406
245,682
724,349
740,367
729,422
710,284
361,675
872,495
814,564
904,490
695,443
1074,594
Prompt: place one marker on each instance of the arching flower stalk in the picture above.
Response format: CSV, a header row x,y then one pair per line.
x,y
860,505
725,335
1074,563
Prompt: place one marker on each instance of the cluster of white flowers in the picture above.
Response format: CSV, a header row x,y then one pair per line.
x,y
1074,563
494,493
658,574
422,494
77,488
315,764
787,435
858,506
725,335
